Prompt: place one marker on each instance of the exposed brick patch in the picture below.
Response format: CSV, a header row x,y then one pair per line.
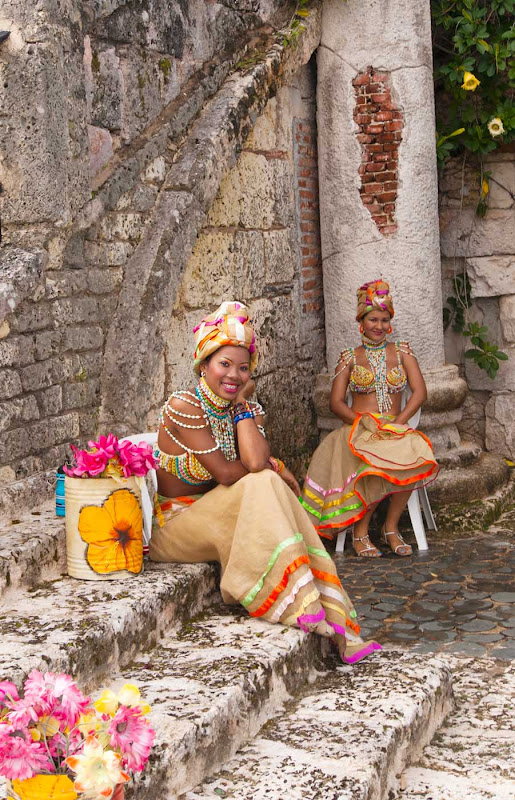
x,y
380,125
306,191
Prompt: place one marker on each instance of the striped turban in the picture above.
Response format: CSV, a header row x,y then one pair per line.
x,y
374,295
228,325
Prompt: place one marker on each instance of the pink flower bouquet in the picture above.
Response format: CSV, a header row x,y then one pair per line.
x,y
55,730
110,458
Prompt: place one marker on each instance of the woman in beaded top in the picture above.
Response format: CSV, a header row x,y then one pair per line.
x,y
223,497
375,453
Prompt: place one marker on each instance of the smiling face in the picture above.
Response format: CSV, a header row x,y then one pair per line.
x,y
227,370
376,324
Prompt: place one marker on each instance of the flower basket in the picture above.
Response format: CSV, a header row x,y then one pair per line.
x,y
104,520
104,528
42,787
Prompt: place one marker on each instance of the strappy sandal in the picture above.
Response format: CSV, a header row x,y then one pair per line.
x,y
374,552
402,549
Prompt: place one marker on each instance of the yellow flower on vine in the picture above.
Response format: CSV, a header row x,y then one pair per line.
x,y
485,188
495,127
470,82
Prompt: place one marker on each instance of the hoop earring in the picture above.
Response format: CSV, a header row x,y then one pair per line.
x,y
361,328
390,329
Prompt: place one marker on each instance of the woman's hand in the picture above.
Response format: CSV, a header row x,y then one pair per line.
x,y
290,480
245,392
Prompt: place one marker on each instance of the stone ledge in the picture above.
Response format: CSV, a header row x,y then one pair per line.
x,y
212,687
90,628
457,513
349,735
31,492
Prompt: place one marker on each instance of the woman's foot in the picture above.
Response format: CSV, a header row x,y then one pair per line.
x,y
396,543
364,548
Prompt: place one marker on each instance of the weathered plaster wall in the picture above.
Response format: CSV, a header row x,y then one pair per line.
x,y
484,248
362,240
91,268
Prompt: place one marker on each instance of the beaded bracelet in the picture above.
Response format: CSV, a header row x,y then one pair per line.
x,y
241,408
245,415
276,464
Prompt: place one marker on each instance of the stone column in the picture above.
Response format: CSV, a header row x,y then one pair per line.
x,y
378,182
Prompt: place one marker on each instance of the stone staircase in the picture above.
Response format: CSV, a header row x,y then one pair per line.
x,y
242,708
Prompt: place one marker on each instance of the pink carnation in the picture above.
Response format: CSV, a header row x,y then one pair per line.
x,y
136,459
106,445
57,695
8,691
20,757
88,464
131,734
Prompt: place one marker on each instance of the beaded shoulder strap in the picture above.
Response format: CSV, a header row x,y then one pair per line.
x,y
347,356
404,347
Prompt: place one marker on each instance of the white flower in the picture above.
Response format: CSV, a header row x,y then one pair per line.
x,y
495,127
97,771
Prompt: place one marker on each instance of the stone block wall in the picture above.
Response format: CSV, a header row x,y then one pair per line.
x,y
74,239
261,245
484,249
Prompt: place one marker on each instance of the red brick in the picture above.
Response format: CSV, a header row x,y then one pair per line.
x,y
312,284
305,251
362,119
380,98
367,199
372,188
375,128
386,137
309,238
361,170
384,116
308,226
304,161
390,187
397,114
387,197
309,262
380,156
389,229
397,136
361,80
364,139
306,193
375,148
380,76
389,176
389,209
312,294
396,125
374,87
379,219
304,173
391,148
360,100
375,208
309,213
375,167
369,177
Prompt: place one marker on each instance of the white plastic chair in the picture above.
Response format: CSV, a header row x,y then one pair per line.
x,y
147,502
417,498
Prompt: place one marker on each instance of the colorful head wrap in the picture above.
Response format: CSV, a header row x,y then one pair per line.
x,y
375,294
228,325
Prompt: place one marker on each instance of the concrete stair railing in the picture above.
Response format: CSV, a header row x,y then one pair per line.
x,y
212,675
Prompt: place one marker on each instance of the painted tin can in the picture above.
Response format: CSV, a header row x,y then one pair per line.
x,y
104,528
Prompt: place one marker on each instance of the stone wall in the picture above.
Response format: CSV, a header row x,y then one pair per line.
x,y
484,249
94,291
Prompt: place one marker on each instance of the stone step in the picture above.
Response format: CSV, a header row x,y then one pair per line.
x,y
212,686
346,736
32,547
465,484
473,755
90,628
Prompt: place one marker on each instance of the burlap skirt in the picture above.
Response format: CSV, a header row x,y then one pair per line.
x,y
360,464
271,557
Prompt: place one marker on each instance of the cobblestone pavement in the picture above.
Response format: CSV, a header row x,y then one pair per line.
x,y
458,600
458,597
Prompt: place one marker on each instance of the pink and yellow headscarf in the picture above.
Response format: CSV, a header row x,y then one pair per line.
x,y
374,295
228,325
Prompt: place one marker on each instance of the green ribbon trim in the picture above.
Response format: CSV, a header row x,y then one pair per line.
x,y
247,600
341,511
316,551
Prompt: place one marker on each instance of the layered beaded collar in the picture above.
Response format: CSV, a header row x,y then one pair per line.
x,y
216,406
375,353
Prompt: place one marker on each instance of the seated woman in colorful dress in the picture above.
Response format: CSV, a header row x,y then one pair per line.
x,y
375,453
222,497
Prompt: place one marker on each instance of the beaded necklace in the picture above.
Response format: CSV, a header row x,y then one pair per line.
x,y
375,353
218,413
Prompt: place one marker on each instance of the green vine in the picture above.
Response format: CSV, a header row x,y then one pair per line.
x,y
474,55
486,355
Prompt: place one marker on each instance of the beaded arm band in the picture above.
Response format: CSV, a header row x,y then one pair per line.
x,y
346,358
405,347
276,464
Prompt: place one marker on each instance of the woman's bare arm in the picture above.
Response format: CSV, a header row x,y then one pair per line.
x,y
337,402
253,447
417,385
